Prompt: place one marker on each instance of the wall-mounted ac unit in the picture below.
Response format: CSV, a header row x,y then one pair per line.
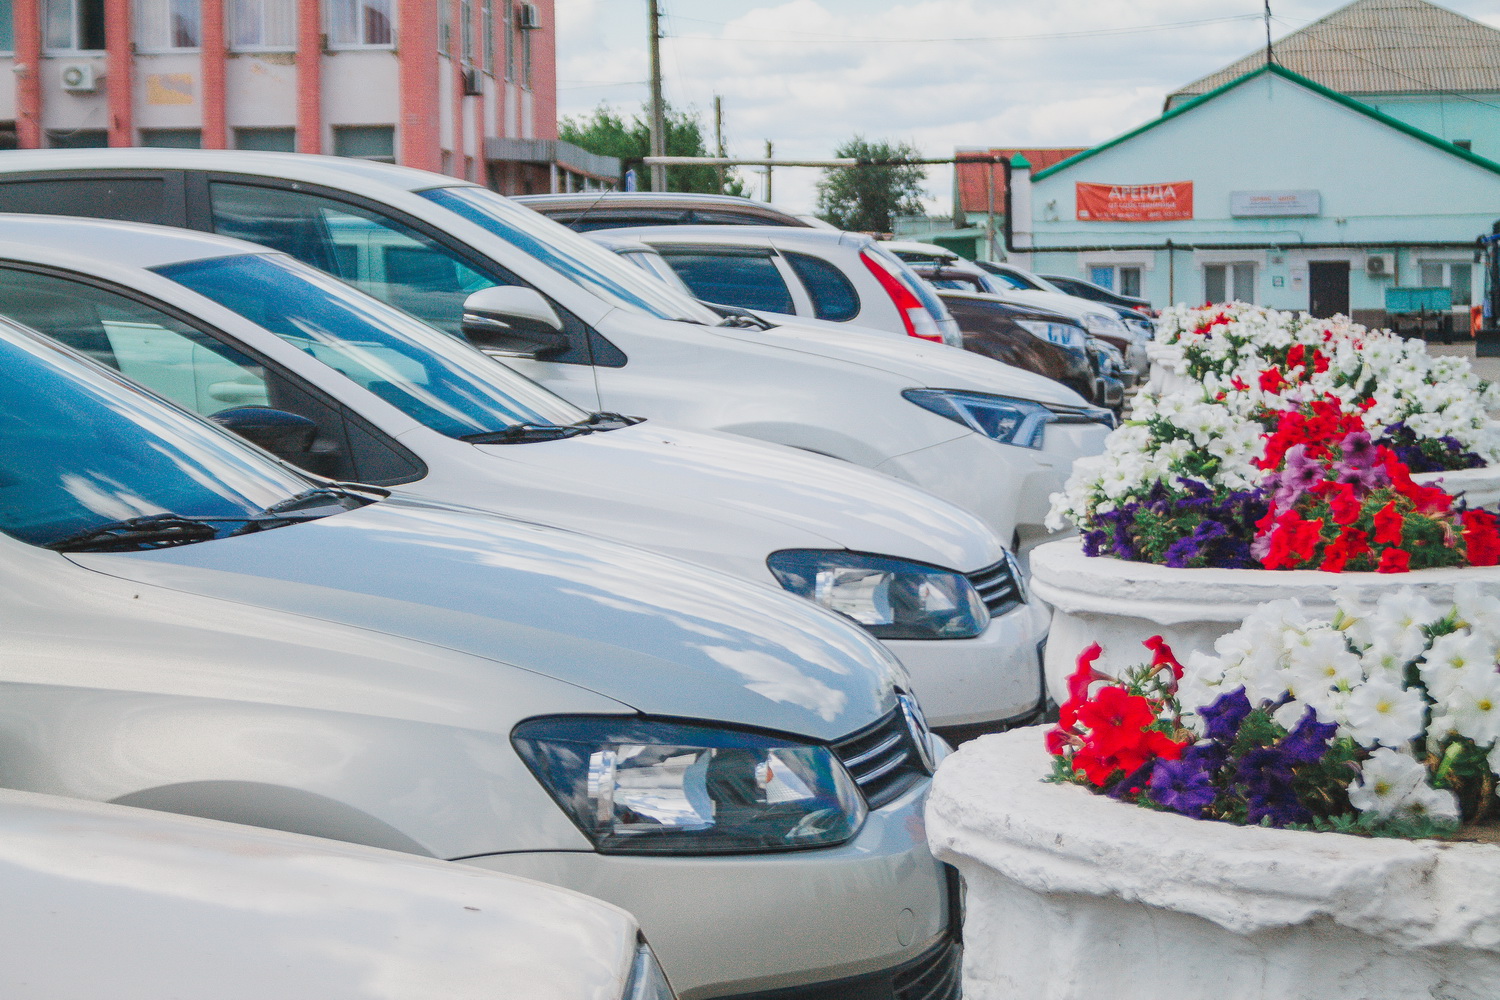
x,y
1380,265
79,78
473,82
528,16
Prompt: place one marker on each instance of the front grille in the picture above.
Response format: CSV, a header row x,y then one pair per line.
x,y
882,759
998,587
938,975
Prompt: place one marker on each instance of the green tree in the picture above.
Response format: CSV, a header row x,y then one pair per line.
x,y
607,133
866,199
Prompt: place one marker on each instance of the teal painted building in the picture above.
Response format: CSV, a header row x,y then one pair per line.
x,y
1265,184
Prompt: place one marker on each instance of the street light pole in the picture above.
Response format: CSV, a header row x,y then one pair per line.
x,y
658,125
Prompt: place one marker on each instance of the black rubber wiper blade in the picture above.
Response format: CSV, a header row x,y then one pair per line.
x,y
607,421
155,530
526,433
305,505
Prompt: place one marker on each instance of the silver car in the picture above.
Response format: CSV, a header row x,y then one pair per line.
x,y
194,627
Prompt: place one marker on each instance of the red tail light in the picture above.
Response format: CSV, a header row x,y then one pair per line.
x,y
914,316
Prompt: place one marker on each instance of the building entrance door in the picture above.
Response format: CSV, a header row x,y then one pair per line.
x,y
1328,288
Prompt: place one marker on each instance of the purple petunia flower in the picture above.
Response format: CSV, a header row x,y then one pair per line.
x,y
1184,786
1265,774
1308,742
1221,720
1358,450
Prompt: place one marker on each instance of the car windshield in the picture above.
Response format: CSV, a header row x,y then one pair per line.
x,y
576,257
428,375
81,449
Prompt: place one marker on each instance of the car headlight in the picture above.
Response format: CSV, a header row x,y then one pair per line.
x,y
1097,323
892,598
1019,422
1060,334
641,786
647,980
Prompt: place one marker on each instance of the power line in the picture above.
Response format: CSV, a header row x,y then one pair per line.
x,y
845,39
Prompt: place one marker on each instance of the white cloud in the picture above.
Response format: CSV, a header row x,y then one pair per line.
x,y
783,78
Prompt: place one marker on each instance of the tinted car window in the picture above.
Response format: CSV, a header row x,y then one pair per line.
x,y
833,296
133,199
746,280
391,261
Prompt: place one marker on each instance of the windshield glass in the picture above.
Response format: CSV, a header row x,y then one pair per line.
x,y
582,261
80,448
428,375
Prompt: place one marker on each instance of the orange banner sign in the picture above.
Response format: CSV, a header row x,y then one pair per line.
x,y
1135,202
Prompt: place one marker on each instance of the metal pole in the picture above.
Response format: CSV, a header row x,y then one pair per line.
x,y
1269,53
719,137
658,126
768,169
989,221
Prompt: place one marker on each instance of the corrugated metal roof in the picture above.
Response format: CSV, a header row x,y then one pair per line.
x,y
1380,47
973,188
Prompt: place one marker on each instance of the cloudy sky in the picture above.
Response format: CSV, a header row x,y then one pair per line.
x,y
808,74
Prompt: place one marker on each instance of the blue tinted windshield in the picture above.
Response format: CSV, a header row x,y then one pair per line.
x,y
80,448
426,374
577,258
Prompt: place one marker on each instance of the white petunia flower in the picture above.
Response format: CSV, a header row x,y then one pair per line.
x,y
1387,782
1382,711
1455,657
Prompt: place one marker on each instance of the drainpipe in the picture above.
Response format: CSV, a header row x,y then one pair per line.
x,y
1018,213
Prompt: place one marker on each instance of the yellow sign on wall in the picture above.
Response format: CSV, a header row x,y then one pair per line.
x,y
169,88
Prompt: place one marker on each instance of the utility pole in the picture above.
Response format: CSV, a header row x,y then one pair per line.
x,y
658,124
1269,53
768,170
719,136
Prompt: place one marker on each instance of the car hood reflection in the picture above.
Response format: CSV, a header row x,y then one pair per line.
x,y
660,635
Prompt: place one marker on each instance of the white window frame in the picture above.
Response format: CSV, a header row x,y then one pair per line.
x,y
361,24
1446,263
289,7
1232,293
161,10
46,19
1094,265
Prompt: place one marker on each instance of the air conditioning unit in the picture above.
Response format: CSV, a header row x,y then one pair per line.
x,y
1380,265
528,16
79,78
473,82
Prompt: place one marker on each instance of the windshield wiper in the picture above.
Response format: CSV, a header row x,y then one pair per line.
x,y
158,530
527,433
607,421
304,505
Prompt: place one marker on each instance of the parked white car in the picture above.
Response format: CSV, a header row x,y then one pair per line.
x,y
812,274
363,392
195,627
995,441
132,904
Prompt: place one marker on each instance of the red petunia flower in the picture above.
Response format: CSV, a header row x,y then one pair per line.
x,y
1162,655
1271,380
1394,561
1481,537
1388,525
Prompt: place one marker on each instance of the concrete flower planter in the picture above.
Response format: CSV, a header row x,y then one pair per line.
x,y
1072,896
1118,604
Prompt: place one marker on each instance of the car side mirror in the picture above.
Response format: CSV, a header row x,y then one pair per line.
x,y
277,431
512,322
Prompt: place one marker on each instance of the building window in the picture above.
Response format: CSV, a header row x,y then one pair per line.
x,y
172,138
266,140
445,28
526,58
262,25
510,39
164,25
1125,280
466,29
486,32
360,22
7,27
75,25
1229,283
368,142
87,138
1456,275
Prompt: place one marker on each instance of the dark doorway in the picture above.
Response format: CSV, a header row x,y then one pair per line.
x,y
1328,291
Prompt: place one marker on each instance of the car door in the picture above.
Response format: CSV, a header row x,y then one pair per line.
x,y
393,258
206,372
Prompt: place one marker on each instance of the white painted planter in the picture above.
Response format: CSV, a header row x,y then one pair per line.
x,y
1118,604
1073,896
1480,487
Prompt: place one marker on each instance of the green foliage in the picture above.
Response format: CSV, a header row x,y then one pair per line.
x,y
1370,825
607,133
867,199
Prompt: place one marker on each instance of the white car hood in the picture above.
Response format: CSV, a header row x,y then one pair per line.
x,y
921,363
657,634
723,500
132,904
1068,305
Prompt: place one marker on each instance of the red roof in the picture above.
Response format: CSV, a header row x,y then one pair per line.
x,y
973,190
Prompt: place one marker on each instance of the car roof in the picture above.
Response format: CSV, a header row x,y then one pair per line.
x,y
910,246
651,198
741,235
331,170
133,244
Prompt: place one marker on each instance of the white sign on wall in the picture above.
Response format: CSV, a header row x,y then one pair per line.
x,y
1263,203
